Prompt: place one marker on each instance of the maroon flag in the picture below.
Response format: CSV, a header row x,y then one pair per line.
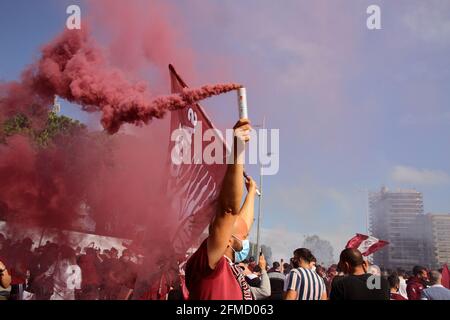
x,y
366,244
445,276
194,190
195,186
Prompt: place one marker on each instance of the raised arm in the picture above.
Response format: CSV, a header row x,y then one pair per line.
x,y
247,211
230,198
264,290
5,278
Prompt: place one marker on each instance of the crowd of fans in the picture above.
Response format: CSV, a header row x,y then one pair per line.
x,y
60,272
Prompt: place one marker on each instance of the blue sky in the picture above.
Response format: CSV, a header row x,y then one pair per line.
x,y
356,108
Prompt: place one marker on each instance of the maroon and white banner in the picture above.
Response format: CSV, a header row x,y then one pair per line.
x,y
366,244
196,186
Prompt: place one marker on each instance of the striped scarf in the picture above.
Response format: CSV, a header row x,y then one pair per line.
x,y
240,277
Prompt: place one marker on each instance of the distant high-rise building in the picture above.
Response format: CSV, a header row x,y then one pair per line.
x,y
397,216
439,239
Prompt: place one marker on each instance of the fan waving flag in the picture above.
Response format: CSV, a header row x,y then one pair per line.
x,y
366,244
195,186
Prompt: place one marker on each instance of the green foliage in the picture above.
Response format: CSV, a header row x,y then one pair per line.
x,y
56,125
15,125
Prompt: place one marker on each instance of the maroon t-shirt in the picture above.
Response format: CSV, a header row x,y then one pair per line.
x,y
205,283
396,296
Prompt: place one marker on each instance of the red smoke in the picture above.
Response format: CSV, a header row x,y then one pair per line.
x,y
73,68
121,177
52,183
142,36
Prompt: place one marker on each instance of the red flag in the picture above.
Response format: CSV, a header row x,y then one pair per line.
x,y
366,244
445,276
356,241
195,187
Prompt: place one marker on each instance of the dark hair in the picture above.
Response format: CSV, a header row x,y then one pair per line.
x,y
418,270
304,254
351,256
394,280
401,272
257,269
276,265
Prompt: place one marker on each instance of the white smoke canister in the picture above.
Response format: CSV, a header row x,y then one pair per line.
x,y
242,100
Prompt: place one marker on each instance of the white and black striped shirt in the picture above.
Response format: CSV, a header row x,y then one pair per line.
x,y
307,283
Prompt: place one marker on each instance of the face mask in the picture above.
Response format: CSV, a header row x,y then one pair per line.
x,y
241,255
313,268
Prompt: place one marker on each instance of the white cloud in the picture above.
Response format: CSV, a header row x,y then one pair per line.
x,y
309,209
282,242
414,176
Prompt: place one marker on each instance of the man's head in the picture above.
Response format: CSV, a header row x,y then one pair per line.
x,y
351,261
276,265
394,282
27,244
302,258
286,268
114,253
332,271
435,277
321,271
257,270
238,242
89,251
420,272
126,255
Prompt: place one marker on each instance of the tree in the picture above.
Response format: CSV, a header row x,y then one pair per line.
x,y
321,249
55,125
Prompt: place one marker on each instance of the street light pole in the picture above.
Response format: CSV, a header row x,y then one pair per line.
x,y
258,228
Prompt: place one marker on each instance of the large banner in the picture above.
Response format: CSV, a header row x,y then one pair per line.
x,y
195,187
